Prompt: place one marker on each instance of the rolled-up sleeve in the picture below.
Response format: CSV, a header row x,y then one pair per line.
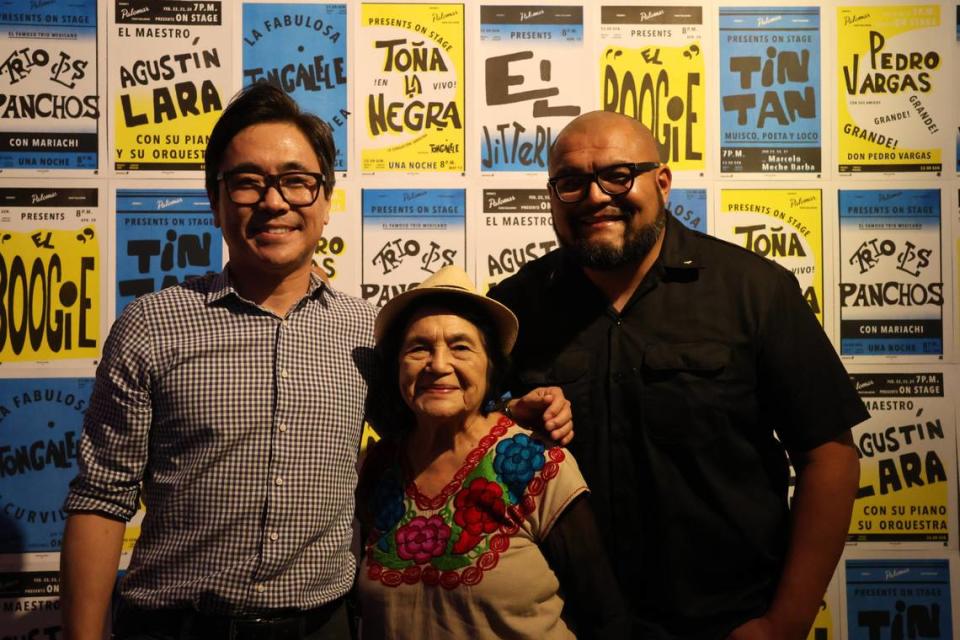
x,y
802,374
113,449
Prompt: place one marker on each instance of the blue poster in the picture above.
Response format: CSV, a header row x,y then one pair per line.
x,y
40,424
164,236
689,206
770,90
408,235
891,272
898,599
49,106
302,48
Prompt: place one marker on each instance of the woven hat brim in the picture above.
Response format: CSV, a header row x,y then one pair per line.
x,y
504,319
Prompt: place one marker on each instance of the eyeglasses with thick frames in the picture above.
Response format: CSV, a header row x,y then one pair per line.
x,y
297,188
615,180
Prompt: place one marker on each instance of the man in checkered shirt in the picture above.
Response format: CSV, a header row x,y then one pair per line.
x,y
236,402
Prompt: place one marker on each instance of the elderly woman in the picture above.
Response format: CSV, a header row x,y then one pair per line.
x,y
475,527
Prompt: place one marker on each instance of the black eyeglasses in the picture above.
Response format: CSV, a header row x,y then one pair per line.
x,y
298,188
615,180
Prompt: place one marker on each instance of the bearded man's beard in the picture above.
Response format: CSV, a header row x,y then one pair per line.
x,y
637,244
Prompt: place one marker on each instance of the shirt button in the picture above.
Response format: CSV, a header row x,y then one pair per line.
x,y
274,536
284,374
278,481
282,428
261,588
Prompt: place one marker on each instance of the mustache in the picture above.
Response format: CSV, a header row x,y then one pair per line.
x,y
610,211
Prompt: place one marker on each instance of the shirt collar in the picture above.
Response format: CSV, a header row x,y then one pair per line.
x,y
679,249
222,286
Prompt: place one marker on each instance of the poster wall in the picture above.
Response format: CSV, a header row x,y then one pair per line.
x,y
890,61
514,228
53,275
169,77
163,237
907,496
689,206
827,625
899,599
338,252
37,465
408,235
533,61
652,68
49,101
30,601
785,226
412,85
824,136
770,107
302,48
891,272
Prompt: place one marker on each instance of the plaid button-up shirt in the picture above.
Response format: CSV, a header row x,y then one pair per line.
x,y
242,429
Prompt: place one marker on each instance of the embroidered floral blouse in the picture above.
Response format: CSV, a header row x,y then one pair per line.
x,y
466,563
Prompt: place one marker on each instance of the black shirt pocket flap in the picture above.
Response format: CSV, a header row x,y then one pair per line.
x,y
688,356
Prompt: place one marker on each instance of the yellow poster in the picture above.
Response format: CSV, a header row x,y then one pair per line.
x,y
784,225
822,628
169,75
891,88
337,255
52,277
411,86
49,294
907,455
368,437
652,69
332,245
131,534
900,510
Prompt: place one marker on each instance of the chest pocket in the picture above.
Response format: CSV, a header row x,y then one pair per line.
x,y
681,392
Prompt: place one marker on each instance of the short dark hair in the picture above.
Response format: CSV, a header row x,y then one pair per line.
x,y
263,102
392,417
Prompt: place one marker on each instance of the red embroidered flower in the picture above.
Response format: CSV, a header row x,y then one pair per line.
x,y
499,543
471,576
411,575
430,575
422,539
488,560
391,578
515,517
449,579
479,510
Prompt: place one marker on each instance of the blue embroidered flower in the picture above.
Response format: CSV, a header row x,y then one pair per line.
x,y
517,459
388,508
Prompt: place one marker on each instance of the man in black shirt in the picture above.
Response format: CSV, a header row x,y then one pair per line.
x,y
694,367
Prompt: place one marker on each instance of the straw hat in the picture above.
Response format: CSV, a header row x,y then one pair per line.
x,y
450,280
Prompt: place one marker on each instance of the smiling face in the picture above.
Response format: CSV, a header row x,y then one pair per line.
x,y
270,237
443,366
603,231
